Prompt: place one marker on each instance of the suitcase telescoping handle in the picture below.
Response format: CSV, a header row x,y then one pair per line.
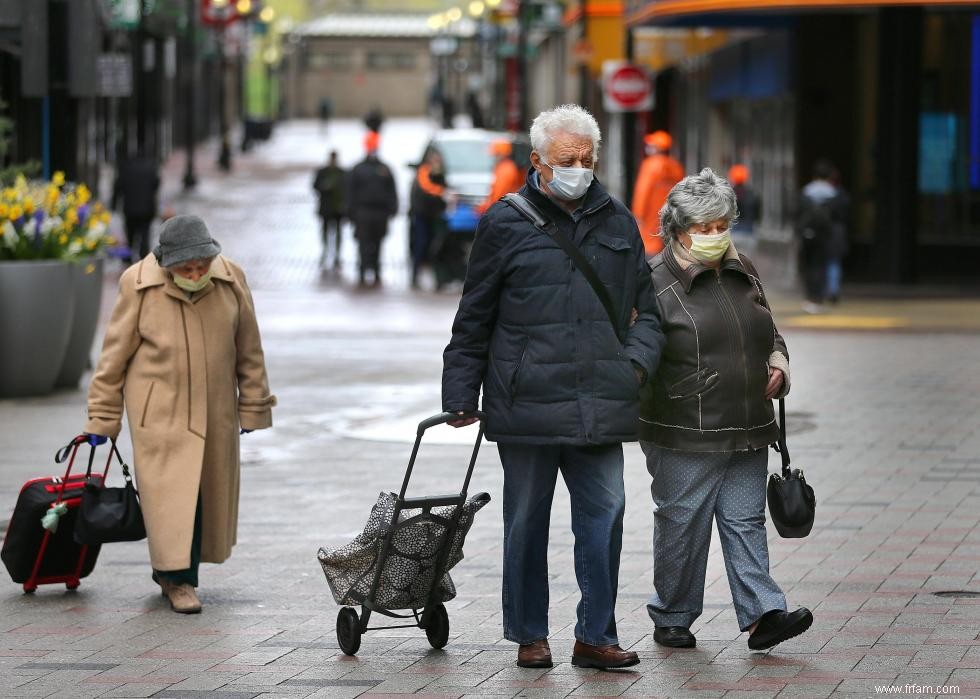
x,y
441,419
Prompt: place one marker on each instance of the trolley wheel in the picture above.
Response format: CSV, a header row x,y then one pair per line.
x,y
72,585
438,629
30,590
348,630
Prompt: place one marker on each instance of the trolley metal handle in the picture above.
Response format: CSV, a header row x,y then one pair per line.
x,y
441,419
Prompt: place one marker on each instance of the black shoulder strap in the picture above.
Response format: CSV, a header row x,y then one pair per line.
x,y
780,446
529,211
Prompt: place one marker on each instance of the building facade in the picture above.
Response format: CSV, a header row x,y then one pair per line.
x,y
352,59
889,91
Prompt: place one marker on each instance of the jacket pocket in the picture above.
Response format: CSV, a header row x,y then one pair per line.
x,y
515,378
698,383
146,404
613,243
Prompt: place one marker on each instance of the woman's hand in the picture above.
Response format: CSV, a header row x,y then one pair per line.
x,y
775,384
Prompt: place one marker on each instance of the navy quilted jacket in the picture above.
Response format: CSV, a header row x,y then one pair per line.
x,y
533,334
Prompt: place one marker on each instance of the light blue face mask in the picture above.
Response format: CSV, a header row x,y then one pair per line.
x,y
569,183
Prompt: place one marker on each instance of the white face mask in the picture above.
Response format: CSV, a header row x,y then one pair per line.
x,y
569,183
710,248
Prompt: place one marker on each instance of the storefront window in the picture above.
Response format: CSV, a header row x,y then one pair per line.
x,y
949,129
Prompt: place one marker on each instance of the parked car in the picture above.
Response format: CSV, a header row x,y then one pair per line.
x,y
469,169
469,175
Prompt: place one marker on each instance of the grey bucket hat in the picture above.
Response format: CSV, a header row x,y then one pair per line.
x,y
184,238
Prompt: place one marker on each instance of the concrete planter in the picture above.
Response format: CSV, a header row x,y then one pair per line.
x,y
36,307
87,290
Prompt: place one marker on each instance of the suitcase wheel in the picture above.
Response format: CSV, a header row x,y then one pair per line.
x,y
348,630
438,629
29,589
72,585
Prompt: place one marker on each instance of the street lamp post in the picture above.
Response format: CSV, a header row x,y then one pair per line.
x,y
190,179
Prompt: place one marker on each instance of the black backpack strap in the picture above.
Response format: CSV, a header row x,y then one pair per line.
x,y
529,211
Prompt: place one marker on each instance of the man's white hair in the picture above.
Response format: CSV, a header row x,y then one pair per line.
x,y
568,118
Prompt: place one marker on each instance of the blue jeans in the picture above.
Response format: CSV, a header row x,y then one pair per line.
x,y
834,274
594,477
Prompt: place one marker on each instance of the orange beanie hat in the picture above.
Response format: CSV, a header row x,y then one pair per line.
x,y
660,140
738,174
371,141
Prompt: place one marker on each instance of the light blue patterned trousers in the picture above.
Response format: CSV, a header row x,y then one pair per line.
x,y
690,490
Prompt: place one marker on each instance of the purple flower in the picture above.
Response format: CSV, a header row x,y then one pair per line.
x,y
39,217
82,213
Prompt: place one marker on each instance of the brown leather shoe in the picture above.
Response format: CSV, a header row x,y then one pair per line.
x,y
603,657
537,654
183,598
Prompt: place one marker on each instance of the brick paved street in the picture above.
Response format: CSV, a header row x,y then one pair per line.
x,y
886,424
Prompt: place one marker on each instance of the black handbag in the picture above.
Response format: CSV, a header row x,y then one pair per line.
x,y
106,514
792,502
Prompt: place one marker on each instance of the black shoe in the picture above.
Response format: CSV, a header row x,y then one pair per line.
x,y
778,626
674,637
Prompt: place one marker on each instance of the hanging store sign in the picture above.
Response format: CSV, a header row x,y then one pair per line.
x,y
115,74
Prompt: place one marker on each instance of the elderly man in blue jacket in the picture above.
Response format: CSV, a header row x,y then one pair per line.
x,y
560,387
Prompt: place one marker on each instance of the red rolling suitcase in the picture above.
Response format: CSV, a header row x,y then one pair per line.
x,y
38,556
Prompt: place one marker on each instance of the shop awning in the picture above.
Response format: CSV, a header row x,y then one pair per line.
x,y
657,11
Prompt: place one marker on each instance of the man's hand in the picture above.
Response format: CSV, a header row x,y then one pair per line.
x,y
96,439
775,384
464,421
244,431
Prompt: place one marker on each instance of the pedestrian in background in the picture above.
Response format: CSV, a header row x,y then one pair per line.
x,y
560,389
372,200
182,353
840,243
658,173
506,175
749,203
329,182
428,201
819,216
707,420
135,190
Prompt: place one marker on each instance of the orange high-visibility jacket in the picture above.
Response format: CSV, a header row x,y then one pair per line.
x,y
506,179
658,174
425,181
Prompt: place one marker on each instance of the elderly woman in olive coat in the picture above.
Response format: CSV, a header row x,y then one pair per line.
x,y
182,352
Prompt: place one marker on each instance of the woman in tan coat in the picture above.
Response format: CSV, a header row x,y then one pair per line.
x,y
182,352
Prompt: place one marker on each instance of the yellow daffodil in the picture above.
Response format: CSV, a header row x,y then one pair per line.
x,y
58,179
62,239
83,194
28,206
20,182
71,217
10,194
90,245
4,210
16,211
51,195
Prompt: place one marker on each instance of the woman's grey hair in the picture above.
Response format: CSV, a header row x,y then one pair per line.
x,y
699,198
568,118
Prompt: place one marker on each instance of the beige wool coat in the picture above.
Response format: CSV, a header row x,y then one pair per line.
x,y
189,371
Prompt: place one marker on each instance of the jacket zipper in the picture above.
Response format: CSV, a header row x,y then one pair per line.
x,y
741,349
515,379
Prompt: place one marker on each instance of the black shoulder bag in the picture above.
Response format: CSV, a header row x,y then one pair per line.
x,y
792,503
109,514
534,215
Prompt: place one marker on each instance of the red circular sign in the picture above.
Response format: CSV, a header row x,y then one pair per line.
x,y
628,85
